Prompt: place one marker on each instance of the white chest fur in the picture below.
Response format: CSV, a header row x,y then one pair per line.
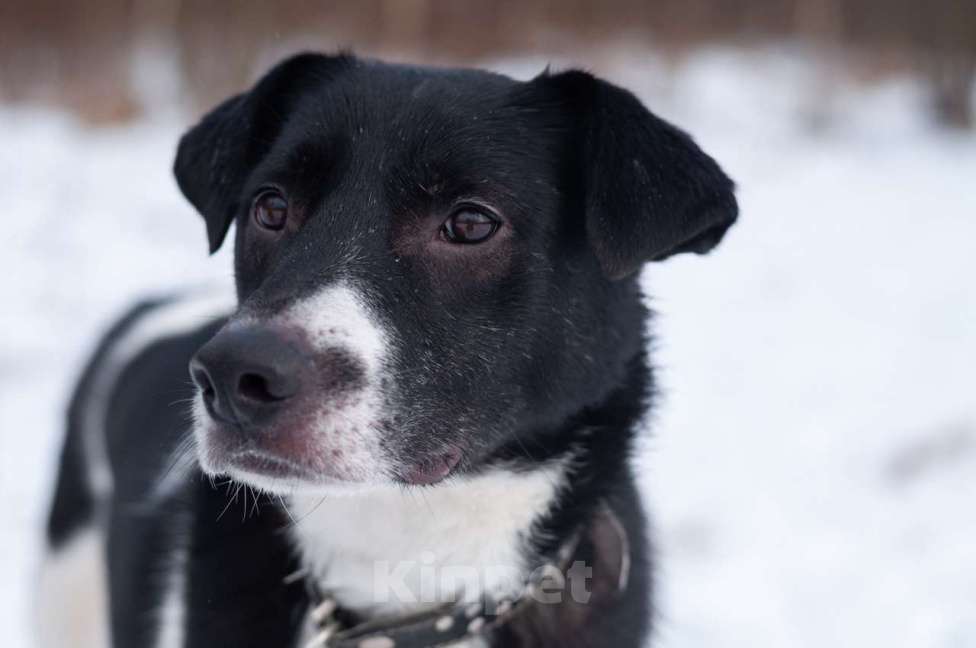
x,y
395,550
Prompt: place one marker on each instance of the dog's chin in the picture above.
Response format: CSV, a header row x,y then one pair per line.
x,y
264,470
281,476
288,485
277,475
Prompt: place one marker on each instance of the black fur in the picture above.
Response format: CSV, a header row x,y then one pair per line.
x,y
516,351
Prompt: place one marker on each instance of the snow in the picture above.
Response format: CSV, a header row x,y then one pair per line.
x,y
812,464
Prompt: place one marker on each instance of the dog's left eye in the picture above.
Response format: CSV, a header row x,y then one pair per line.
x,y
270,210
469,225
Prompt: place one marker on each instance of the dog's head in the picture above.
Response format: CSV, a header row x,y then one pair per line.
x,y
431,264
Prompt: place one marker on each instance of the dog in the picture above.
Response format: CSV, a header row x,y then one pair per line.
x,y
413,426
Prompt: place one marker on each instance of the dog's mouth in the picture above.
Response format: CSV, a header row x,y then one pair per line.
x,y
434,468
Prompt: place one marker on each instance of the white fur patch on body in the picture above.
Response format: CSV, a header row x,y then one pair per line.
x,y
167,320
397,550
72,603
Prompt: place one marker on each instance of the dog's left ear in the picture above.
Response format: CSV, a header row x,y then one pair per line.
x,y
649,191
215,157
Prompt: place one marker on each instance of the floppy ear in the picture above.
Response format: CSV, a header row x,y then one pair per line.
x,y
650,192
215,157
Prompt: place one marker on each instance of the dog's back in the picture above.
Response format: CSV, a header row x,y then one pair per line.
x,y
122,409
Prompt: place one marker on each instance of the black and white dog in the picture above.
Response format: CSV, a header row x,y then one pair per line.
x,y
426,396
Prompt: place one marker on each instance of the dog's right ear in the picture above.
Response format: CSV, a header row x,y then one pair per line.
x,y
215,157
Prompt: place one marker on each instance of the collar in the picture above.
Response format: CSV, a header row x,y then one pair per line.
x,y
452,623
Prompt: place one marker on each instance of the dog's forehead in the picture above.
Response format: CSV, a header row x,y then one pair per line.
x,y
380,131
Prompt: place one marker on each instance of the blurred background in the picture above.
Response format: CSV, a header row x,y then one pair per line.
x,y
811,464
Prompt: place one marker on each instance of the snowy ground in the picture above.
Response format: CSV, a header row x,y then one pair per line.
x,y
812,468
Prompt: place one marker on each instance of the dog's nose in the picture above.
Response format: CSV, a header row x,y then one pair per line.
x,y
246,374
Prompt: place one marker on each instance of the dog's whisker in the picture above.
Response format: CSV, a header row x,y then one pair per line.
x,y
313,510
230,501
286,509
256,506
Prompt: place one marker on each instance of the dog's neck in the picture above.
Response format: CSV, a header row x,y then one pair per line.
x,y
398,550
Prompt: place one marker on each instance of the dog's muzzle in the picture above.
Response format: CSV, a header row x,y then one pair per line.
x,y
281,410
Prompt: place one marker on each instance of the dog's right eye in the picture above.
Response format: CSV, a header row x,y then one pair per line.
x,y
270,210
